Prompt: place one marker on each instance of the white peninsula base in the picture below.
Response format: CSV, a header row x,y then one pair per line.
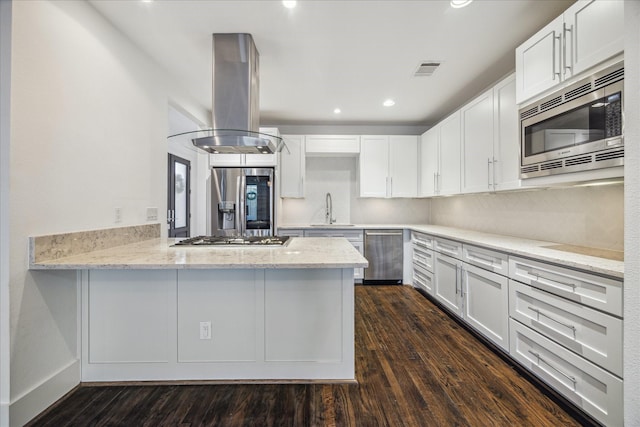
x,y
218,324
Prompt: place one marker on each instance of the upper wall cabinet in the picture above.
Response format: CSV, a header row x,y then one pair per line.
x,y
332,145
388,166
490,149
440,158
224,160
292,167
586,34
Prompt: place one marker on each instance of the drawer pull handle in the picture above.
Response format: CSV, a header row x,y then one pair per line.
x,y
541,359
566,325
537,280
481,259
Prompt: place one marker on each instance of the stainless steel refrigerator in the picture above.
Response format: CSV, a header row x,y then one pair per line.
x,y
241,202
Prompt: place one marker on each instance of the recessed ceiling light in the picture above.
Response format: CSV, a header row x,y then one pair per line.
x,y
457,4
337,111
289,4
389,103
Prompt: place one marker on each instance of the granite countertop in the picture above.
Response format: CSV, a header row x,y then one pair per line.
x,y
599,261
158,253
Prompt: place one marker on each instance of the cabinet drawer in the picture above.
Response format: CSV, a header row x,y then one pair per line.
x,y
422,279
598,292
351,235
423,257
421,239
448,247
291,232
591,388
590,333
487,259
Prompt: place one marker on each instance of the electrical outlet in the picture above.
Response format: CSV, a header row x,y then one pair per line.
x,y
118,215
152,214
205,330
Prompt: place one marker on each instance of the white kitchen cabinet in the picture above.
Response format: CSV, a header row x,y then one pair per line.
x,y
595,291
374,166
449,175
292,167
588,386
429,161
486,303
447,283
388,166
594,335
490,142
477,143
226,160
332,145
440,158
505,172
596,31
586,34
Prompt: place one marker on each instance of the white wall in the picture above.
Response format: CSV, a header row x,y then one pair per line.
x,y
5,86
583,216
88,134
339,176
632,218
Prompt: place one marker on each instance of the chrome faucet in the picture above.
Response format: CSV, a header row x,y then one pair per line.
x,y
329,209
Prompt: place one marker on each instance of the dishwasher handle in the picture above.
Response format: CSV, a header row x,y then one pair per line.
x,y
382,233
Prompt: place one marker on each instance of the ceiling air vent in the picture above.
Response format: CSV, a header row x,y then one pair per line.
x,y
609,78
551,103
426,68
574,93
577,161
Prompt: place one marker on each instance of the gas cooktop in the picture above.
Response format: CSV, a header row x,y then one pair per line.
x,y
234,241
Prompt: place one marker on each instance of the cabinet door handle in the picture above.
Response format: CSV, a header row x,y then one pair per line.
x,y
566,325
457,292
494,172
541,359
566,30
489,173
556,56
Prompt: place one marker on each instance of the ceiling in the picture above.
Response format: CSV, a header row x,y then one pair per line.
x,y
348,54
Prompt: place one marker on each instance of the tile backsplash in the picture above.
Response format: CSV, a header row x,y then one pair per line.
x,y
583,216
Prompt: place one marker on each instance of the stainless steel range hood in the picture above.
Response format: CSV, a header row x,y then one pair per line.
x,y
235,99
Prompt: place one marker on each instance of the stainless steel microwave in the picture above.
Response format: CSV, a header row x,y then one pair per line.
x,y
579,128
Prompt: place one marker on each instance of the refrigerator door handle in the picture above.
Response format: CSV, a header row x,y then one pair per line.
x,y
241,203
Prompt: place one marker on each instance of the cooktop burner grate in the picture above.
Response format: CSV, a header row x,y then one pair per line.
x,y
234,241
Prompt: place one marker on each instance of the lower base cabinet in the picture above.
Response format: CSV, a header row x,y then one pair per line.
x,y
447,282
589,387
486,304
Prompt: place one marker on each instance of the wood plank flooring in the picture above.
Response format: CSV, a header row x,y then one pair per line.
x,y
414,365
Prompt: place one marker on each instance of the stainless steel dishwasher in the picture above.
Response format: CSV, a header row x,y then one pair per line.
x,y
383,250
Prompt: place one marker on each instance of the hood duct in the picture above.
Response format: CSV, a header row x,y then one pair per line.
x,y
235,108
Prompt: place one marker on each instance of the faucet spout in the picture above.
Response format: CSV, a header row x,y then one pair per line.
x,y
329,209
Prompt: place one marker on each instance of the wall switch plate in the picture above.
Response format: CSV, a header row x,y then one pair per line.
x,y
152,214
118,215
205,330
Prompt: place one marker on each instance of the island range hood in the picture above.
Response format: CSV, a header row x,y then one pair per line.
x,y
235,106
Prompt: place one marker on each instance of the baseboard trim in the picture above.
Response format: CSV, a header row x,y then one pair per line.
x,y
39,398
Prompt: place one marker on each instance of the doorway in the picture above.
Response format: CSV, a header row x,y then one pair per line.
x,y
178,204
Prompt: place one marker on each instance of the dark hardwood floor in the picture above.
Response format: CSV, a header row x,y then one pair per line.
x,y
414,365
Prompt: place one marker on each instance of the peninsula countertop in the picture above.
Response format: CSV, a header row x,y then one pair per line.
x,y
158,253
